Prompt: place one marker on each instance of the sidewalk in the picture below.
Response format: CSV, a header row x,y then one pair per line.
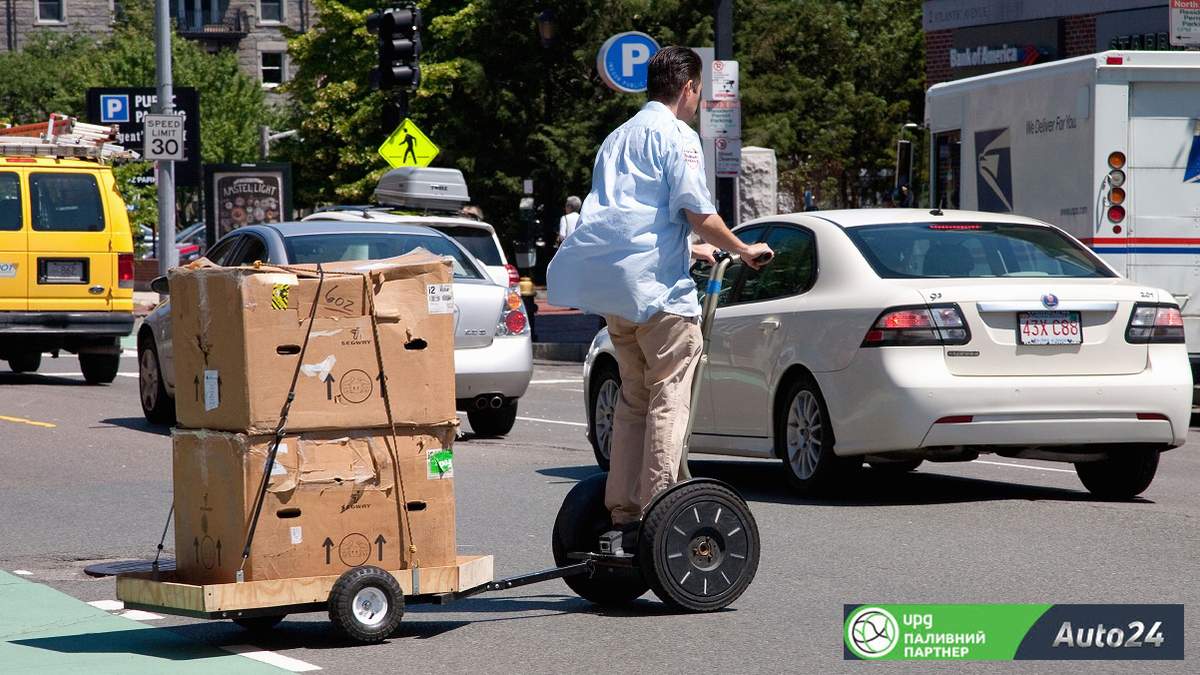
x,y
45,631
562,333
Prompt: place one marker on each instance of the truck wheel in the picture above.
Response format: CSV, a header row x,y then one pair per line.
x,y
577,529
28,362
259,624
1122,476
157,404
698,546
99,368
493,421
366,604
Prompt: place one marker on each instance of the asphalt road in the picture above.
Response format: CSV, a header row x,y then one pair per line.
x,y
96,486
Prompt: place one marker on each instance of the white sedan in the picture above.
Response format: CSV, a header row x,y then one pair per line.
x,y
903,335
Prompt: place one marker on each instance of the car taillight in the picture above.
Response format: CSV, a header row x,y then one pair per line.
x,y
514,277
124,270
514,299
911,326
1159,324
512,317
515,323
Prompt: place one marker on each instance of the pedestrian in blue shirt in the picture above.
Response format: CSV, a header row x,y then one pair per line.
x,y
628,260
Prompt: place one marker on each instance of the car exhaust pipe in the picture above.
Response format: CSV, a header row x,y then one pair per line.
x,y
481,402
496,402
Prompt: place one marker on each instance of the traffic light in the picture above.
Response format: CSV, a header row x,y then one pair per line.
x,y
399,47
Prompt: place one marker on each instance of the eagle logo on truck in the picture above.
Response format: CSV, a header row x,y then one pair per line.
x,y
993,170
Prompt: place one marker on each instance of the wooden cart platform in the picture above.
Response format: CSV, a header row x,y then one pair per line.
x,y
167,594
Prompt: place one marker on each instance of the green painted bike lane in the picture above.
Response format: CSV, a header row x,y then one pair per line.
x,y
45,631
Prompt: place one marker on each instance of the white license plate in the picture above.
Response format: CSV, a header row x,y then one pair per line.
x,y
64,271
1049,328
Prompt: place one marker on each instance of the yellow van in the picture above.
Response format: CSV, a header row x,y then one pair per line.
x,y
66,264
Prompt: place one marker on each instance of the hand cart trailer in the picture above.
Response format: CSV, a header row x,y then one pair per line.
x,y
697,549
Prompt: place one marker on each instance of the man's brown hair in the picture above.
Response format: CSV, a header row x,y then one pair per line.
x,y
669,69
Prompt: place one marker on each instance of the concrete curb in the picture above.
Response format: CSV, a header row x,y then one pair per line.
x,y
560,351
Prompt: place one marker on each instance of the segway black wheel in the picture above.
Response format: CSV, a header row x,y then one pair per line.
x,y
699,546
580,522
259,624
366,604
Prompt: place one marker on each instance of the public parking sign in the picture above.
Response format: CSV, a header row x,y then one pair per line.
x,y
127,107
622,61
164,137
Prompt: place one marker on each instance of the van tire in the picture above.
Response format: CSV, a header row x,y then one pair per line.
x,y
99,368
28,362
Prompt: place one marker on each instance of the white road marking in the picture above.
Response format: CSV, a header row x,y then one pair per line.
x,y
129,352
539,419
571,381
48,374
271,658
1023,466
139,615
24,573
107,605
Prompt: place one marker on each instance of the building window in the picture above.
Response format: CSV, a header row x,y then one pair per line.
x,y
51,11
272,69
270,11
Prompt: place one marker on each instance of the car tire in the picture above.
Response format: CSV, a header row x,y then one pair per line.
x,y
895,468
157,404
99,368
28,362
1123,476
603,394
804,440
493,422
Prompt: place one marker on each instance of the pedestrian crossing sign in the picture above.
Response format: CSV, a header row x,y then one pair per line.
x,y
407,146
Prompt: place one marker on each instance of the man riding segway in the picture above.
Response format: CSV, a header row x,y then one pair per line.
x,y
628,260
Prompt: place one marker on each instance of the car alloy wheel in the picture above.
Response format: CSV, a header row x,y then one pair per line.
x,y
148,379
605,409
804,434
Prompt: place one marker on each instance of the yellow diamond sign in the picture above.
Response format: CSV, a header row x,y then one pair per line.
x,y
407,146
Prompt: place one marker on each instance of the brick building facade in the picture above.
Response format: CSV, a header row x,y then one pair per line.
x,y
971,37
252,28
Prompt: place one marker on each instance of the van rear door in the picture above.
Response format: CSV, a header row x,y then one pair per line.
x,y
72,265
13,244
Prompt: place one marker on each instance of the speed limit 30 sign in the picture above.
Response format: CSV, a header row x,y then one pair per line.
x,y
164,135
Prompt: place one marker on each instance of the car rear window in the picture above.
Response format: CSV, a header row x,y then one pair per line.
x,y
973,250
479,242
66,202
314,248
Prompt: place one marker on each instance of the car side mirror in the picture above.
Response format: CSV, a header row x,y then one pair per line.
x,y
160,286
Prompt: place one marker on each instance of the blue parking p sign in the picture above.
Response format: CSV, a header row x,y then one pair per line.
x,y
622,61
114,108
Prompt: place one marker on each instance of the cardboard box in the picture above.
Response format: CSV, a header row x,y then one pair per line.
x,y
331,502
238,333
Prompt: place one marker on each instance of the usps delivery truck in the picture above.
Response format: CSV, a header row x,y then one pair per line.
x,y
1106,146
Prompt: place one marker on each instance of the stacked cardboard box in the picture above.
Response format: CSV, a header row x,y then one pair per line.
x,y
343,490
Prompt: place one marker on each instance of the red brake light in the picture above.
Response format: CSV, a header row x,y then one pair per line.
x,y
124,270
1155,324
1168,316
1116,213
1152,416
515,322
955,226
911,326
514,277
905,319
956,419
1114,61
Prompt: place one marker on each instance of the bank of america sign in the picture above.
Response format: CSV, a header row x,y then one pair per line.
x,y
993,56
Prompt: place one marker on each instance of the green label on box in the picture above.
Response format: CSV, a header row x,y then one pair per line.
x,y
441,463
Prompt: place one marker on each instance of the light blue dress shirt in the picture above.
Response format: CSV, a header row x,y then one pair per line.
x,y
629,255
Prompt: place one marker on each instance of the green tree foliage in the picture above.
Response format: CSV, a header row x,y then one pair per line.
x,y
826,83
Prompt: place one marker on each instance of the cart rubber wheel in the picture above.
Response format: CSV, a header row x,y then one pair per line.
x,y
259,624
580,522
699,546
366,604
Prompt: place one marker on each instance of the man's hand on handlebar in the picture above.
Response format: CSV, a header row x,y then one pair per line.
x,y
756,255
704,253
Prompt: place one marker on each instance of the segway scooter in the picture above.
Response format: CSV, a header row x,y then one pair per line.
x,y
698,545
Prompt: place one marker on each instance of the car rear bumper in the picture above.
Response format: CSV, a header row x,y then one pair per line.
x,y
892,399
503,367
114,324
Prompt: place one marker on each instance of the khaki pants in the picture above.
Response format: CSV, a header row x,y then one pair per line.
x,y
657,360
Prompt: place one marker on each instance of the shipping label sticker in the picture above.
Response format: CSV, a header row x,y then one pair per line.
x,y
441,463
441,298
297,535
279,296
212,390
8,270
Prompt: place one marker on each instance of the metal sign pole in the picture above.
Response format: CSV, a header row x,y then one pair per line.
x,y
723,51
168,257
